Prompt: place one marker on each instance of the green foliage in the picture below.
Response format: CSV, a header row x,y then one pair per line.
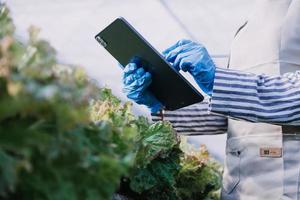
x,y
157,141
157,162
63,137
7,27
200,171
167,167
55,141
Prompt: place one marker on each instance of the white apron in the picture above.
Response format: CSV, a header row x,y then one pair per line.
x,y
268,43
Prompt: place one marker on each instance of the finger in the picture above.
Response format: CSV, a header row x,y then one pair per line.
x,y
185,64
177,62
175,67
128,79
136,89
171,56
181,49
148,80
144,82
130,68
140,84
139,73
128,75
174,46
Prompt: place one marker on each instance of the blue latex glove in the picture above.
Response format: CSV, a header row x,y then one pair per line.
x,y
193,57
136,82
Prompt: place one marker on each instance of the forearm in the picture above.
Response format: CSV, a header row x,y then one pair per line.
x,y
195,120
257,98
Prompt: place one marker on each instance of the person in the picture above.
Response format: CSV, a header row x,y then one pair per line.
x,y
256,100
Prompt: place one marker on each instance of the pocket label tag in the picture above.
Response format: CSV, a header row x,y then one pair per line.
x,y
271,152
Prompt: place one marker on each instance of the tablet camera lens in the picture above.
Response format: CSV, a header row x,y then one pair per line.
x,y
101,41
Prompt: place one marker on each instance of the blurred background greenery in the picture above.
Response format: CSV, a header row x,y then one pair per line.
x,y
62,136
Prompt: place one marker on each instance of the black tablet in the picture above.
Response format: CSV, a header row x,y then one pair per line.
x,y
125,44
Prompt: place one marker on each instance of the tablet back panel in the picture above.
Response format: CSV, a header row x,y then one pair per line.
x,y
125,44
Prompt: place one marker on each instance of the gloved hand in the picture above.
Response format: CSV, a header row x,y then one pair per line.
x,y
136,82
193,57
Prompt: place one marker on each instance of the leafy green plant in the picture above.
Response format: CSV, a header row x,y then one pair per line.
x,y
55,140
167,167
64,137
157,163
200,171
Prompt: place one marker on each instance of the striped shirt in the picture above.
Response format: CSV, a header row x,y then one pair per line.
x,y
257,98
195,120
241,95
